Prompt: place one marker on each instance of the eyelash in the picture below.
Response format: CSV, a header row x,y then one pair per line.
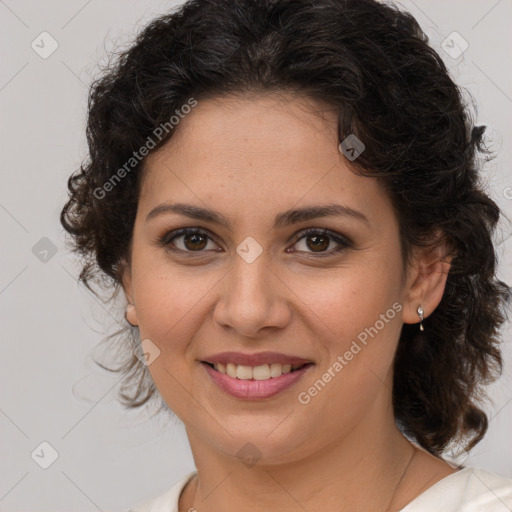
x,y
344,243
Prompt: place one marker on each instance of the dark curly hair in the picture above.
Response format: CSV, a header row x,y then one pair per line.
x,y
372,64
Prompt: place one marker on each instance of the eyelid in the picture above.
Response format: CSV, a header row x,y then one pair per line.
x,y
321,231
343,241
165,240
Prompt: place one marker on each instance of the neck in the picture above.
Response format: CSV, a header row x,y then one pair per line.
x,y
359,471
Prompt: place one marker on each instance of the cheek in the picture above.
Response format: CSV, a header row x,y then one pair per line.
x,y
169,300
170,311
357,317
348,303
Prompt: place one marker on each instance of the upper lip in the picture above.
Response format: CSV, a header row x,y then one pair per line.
x,y
239,358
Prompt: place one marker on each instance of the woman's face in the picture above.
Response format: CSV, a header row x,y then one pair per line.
x,y
257,284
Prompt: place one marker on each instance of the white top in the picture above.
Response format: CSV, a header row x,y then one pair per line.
x,y
468,490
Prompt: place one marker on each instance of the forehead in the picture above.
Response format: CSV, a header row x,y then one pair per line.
x,y
233,130
257,151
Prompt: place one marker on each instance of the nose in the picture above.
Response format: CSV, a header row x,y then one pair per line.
x,y
253,298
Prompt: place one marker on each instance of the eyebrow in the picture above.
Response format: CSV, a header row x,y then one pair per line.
x,y
286,218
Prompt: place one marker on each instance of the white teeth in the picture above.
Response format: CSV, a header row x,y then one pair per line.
x,y
276,369
230,369
261,372
243,372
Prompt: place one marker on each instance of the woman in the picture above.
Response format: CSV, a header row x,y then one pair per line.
x,y
287,193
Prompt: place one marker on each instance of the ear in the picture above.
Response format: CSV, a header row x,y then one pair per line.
x,y
426,281
126,283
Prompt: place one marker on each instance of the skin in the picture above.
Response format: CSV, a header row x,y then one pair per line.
x,y
251,158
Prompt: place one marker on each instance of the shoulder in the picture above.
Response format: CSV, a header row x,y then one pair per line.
x,y
167,501
489,491
468,490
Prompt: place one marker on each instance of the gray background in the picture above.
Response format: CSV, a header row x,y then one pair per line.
x,y
109,458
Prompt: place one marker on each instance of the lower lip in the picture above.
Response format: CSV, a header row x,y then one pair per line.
x,y
255,389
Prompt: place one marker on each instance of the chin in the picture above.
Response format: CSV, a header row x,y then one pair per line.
x,y
263,443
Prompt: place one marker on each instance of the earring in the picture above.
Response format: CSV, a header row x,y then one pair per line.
x,y
129,309
420,314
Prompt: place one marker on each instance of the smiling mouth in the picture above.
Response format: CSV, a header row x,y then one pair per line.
x,y
260,372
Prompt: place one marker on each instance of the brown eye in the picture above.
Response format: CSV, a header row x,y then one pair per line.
x,y
187,240
195,241
319,240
